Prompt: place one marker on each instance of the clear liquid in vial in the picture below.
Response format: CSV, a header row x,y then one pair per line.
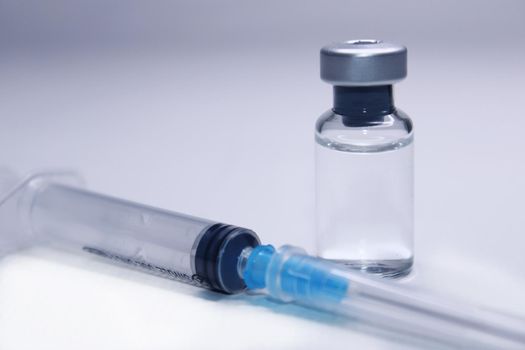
x,y
365,206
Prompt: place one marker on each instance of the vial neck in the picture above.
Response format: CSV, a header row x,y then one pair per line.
x,y
363,103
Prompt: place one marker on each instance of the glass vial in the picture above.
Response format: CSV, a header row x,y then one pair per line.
x,y
364,161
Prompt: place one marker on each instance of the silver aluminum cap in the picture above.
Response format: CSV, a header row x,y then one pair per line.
x,y
363,63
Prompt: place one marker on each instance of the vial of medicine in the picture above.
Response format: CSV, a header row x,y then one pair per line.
x,y
364,161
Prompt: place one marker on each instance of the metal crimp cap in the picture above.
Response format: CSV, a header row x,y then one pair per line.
x,y
363,63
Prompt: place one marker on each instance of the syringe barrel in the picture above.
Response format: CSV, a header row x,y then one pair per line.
x,y
186,248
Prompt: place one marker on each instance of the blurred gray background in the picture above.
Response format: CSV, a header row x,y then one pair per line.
x,y
277,25
208,107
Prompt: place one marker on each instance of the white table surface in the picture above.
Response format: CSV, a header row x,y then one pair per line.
x,y
230,137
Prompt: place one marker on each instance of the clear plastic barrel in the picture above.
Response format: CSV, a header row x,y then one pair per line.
x,y
137,234
51,208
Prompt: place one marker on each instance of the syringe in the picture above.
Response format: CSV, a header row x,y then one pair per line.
x,y
52,207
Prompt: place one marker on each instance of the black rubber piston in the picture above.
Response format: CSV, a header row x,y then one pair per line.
x,y
217,256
